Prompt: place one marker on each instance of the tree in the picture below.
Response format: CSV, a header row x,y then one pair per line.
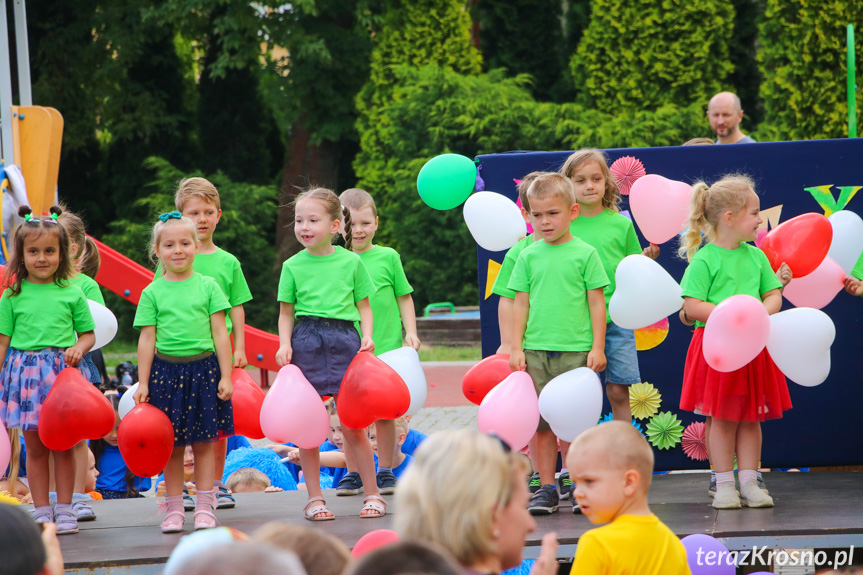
x,y
640,56
803,59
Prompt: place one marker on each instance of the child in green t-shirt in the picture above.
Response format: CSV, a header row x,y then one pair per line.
x,y
506,295
184,364
324,289
198,199
853,285
392,306
559,311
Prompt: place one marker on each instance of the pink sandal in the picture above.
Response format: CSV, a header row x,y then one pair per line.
x,y
204,517
173,521
310,511
373,503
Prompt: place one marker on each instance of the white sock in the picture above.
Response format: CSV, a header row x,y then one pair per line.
x,y
724,477
747,475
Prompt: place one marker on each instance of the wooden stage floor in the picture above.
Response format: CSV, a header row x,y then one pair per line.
x,y
813,510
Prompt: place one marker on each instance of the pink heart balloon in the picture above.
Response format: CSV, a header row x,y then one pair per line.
x,y
660,207
511,410
293,411
818,288
735,333
5,447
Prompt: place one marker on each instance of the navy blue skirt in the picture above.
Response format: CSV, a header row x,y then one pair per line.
x,y
187,393
323,349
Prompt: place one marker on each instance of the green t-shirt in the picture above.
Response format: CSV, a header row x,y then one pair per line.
x,y
89,286
44,315
557,279
503,276
716,273
385,268
325,286
857,272
181,313
228,273
613,236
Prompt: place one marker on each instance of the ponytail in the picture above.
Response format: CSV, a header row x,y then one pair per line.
x,y
349,238
90,261
691,241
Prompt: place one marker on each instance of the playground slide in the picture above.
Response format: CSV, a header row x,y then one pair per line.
x,y
127,279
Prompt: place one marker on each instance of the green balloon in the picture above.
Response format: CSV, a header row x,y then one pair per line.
x,y
446,181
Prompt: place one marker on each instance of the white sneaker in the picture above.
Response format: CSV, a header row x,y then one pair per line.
x,y
753,496
726,496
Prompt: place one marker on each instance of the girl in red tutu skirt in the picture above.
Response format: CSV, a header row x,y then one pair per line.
x,y
736,402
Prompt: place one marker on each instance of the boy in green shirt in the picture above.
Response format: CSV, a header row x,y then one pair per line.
x,y
392,306
559,311
198,199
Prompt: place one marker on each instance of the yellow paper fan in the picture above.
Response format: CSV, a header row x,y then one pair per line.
x,y
644,400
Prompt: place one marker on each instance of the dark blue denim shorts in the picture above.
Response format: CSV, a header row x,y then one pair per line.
x,y
322,349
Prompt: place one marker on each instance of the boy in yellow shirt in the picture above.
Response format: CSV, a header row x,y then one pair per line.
x,y
611,466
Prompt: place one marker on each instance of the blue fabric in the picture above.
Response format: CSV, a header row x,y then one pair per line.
x,y
412,441
335,472
622,356
264,460
397,471
89,370
112,472
237,442
523,569
323,349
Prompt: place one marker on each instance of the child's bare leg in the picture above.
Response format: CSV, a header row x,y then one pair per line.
x,y
205,466
350,462
64,469
386,432
174,473
362,449
564,450
80,450
618,397
220,451
546,456
310,460
723,437
37,467
748,445
707,439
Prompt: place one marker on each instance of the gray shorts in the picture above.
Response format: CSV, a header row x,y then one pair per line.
x,y
543,366
322,349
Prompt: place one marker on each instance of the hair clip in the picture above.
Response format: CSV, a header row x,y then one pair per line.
x,y
171,215
28,218
54,216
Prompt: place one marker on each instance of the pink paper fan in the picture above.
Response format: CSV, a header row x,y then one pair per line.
x,y
625,171
694,445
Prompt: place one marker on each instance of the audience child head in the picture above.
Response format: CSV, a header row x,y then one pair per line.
x,y
49,240
592,163
319,552
25,548
405,558
611,466
243,558
248,480
483,523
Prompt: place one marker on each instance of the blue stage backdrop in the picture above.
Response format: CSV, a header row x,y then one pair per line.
x,y
825,426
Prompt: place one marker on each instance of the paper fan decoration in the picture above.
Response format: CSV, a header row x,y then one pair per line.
x,y
610,417
694,442
644,400
625,171
664,430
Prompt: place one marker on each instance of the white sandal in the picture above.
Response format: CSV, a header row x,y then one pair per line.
x,y
310,511
373,503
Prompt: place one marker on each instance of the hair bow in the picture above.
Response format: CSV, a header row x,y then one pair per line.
x,y
170,215
28,217
54,217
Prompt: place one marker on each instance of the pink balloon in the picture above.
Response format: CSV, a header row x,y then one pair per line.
x,y
818,288
5,448
511,410
293,411
735,333
660,207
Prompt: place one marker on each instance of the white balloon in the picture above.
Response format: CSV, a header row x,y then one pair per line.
x,y
847,244
644,293
494,221
572,402
127,401
799,344
406,362
106,324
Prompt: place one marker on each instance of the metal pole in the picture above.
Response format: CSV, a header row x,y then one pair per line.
x,y
852,86
25,93
6,150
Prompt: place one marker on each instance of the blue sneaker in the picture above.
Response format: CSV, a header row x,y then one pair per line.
x,y
386,481
351,484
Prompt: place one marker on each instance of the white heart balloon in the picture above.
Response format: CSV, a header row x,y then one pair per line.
x,y
571,403
847,243
406,362
799,344
494,221
645,293
127,401
106,324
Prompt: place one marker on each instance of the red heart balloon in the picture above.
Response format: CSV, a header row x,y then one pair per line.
x,y
481,378
146,440
247,400
73,411
801,242
371,390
